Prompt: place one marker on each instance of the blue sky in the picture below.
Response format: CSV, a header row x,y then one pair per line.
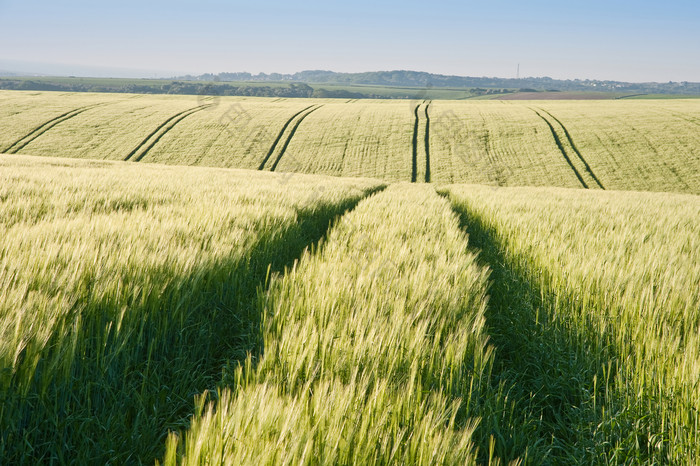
x,y
620,40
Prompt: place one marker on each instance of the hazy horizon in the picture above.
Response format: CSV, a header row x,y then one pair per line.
x,y
628,41
29,69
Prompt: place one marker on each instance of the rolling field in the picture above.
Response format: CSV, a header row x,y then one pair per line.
x,y
374,349
297,281
26,115
640,145
606,288
124,288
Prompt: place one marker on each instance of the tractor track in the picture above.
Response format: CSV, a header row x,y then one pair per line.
x,y
427,143
44,127
415,163
155,135
291,135
561,149
414,157
578,153
279,137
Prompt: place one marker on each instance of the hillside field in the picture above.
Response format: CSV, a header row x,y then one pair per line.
x,y
255,281
642,145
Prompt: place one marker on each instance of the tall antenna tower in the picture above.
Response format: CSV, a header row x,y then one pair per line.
x,y
517,75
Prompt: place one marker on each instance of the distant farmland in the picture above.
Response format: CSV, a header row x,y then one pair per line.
x,y
254,281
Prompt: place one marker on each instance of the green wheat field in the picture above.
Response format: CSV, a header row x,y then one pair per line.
x,y
264,281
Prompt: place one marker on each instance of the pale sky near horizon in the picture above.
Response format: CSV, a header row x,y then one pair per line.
x,y
616,40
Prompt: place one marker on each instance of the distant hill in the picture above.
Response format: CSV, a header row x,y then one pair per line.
x,y
422,79
371,85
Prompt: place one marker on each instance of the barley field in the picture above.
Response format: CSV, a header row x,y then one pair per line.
x,y
374,349
125,288
639,145
204,280
610,283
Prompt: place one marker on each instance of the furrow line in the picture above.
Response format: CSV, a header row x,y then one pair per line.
x,y
279,136
578,153
291,135
427,144
44,127
561,148
414,168
159,132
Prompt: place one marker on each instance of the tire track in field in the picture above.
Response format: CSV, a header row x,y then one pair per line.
x,y
44,127
414,156
578,153
279,137
427,143
535,356
417,127
561,148
152,139
291,135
